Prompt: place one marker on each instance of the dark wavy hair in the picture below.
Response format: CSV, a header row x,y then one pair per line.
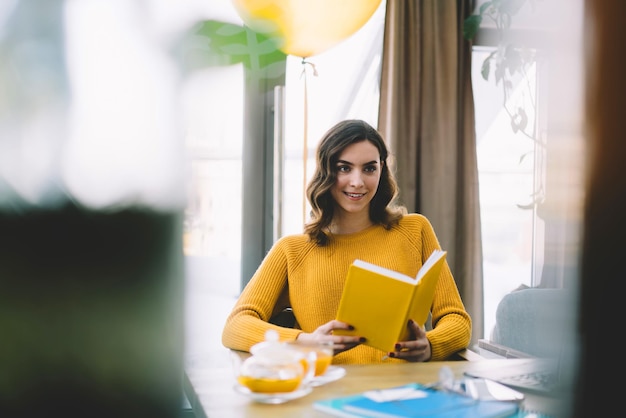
x,y
384,209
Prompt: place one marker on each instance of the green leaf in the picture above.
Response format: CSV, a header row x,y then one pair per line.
x,y
486,67
499,73
519,121
506,21
275,69
211,42
471,25
485,6
511,7
523,157
512,59
224,30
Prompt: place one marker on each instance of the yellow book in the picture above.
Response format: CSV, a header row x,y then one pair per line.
x,y
379,302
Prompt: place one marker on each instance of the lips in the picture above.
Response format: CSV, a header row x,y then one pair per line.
x,y
354,195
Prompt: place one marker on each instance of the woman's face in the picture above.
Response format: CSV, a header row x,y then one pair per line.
x,y
358,174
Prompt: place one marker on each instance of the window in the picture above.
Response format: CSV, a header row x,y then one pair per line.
x,y
509,168
530,161
211,100
213,103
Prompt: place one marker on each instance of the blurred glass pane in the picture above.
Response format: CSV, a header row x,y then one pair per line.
x,y
509,165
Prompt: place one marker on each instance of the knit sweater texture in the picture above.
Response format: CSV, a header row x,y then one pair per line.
x,y
310,279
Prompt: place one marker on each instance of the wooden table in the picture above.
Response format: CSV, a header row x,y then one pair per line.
x,y
211,389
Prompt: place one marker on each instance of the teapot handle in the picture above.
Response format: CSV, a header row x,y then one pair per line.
x,y
311,359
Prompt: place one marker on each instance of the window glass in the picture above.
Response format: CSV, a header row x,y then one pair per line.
x,y
213,102
509,168
529,147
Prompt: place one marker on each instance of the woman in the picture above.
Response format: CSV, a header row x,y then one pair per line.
x,y
352,195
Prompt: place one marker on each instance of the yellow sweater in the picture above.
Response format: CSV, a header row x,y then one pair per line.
x,y
313,277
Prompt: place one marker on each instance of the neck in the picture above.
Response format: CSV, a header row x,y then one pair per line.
x,y
350,224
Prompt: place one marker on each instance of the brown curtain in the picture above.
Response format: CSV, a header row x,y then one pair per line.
x,y
604,223
427,115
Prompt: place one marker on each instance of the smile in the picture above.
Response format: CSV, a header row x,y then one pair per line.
x,y
354,195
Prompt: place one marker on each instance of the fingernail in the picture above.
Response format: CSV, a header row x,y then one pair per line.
x,y
351,328
398,347
392,354
410,322
362,339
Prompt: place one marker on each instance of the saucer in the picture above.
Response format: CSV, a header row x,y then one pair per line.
x,y
273,398
332,373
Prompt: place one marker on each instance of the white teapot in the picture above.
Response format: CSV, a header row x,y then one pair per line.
x,y
274,367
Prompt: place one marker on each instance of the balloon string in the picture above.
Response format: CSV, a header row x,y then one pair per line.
x,y
306,130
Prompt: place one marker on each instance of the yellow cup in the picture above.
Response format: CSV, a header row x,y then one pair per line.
x,y
323,355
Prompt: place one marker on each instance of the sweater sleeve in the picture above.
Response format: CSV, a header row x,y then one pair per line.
x,y
248,321
452,325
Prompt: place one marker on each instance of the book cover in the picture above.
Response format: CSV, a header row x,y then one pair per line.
x,y
335,406
413,401
378,301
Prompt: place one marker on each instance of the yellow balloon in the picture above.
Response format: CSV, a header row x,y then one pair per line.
x,y
306,27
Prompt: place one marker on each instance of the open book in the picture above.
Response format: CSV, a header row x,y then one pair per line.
x,y
379,302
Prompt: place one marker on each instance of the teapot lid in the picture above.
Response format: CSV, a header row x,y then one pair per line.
x,y
273,350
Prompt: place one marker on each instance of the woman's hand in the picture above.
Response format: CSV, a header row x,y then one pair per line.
x,y
324,333
416,349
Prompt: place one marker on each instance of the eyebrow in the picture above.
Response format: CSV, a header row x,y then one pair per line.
x,y
349,163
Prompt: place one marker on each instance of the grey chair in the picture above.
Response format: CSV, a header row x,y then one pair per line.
x,y
533,321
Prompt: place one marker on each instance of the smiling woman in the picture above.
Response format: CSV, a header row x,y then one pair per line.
x,y
354,215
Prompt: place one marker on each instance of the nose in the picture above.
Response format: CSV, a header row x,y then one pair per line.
x,y
355,179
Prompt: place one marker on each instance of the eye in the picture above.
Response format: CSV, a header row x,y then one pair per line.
x,y
370,169
343,169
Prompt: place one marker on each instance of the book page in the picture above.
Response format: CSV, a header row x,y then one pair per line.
x,y
432,259
384,271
